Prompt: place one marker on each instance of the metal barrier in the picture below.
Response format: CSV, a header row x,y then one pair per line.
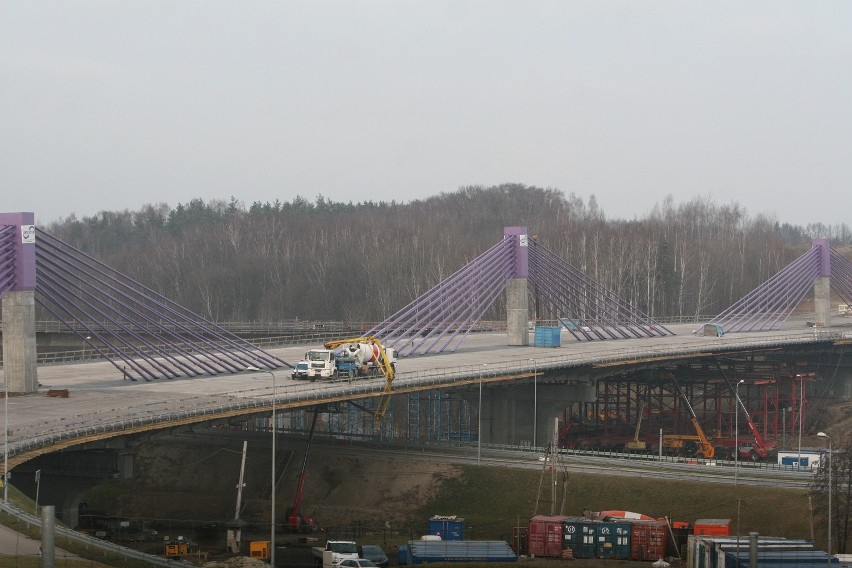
x,y
89,541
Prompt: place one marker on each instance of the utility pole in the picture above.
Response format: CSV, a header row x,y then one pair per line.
x,y
235,534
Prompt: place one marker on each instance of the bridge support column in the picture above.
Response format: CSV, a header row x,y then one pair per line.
x,y
822,301
510,412
517,296
19,345
18,309
125,465
517,312
822,285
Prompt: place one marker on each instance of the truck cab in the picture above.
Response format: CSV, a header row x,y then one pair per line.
x,y
321,364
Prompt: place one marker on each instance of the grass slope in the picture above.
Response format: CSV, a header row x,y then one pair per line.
x,y
492,500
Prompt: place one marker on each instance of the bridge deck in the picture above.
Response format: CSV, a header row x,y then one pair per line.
x,y
101,404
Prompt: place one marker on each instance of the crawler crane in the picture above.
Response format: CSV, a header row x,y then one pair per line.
x,y
680,442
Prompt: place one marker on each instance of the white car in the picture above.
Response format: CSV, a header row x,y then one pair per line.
x,y
359,563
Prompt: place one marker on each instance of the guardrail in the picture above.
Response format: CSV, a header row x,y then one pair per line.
x,y
92,542
237,327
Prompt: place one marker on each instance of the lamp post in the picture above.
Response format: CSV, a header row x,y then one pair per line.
x,y
737,454
6,438
274,428
479,425
737,434
824,435
535,401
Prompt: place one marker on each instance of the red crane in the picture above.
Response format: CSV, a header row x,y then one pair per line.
x,y
759,449
296,521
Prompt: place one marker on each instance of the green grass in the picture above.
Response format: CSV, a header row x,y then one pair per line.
x,y
493,500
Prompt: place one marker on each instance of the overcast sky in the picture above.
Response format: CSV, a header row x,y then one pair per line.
x,y
110,105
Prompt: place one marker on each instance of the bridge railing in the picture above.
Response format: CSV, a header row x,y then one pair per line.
x,y
281,327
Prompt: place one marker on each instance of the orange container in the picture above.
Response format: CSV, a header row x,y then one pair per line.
x,y
715,527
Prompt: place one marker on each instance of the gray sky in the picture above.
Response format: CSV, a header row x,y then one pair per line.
x,y
110,105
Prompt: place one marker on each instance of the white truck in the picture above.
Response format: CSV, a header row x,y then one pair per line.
x,y
334,552
361,357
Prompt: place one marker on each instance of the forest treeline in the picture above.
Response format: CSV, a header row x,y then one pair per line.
x,y
326,260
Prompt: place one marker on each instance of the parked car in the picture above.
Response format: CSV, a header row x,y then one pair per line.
x,y
376,554
358,563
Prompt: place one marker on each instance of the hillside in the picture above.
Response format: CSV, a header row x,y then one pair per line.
x,y
362,262
395,497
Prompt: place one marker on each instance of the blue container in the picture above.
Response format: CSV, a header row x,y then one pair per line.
x,y
467,551
448,528
613,540
547,336
579,535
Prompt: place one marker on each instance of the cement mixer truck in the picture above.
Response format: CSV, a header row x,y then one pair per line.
x,y
351,359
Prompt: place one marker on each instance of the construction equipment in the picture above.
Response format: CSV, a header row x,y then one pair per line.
x,y
369,353
759,449
682,442
636,443
295,520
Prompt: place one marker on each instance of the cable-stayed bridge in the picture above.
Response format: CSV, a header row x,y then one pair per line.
x,y
164,366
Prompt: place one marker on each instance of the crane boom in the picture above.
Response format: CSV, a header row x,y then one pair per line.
x,y
707,450
760,448
296,522
382,363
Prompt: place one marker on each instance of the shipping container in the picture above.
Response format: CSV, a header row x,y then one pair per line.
x,y
520,540
447,527
430,551
716,527
709,551
545,536
612,540
788,559
806,459
547,336
578,536
648,540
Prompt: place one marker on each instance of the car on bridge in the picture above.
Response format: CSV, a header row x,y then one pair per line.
x,y
300,371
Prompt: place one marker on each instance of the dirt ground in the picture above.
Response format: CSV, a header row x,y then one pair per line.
x,y
340,486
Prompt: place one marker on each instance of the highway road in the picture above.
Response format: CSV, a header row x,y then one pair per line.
x,y
102,404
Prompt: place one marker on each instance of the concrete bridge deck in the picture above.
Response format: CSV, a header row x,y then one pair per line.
x,y
101,404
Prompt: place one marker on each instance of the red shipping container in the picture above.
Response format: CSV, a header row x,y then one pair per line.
x,y
649,540
716,527
545,536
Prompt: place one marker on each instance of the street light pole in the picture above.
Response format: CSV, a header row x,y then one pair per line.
x,y
830,488
479,416
6,438
274,428
737,434
535,401
737,404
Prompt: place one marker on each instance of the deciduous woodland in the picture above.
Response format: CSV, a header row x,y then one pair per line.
x,y
325,260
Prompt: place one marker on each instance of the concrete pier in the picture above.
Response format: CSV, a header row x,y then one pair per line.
x,y
517,295
18,309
